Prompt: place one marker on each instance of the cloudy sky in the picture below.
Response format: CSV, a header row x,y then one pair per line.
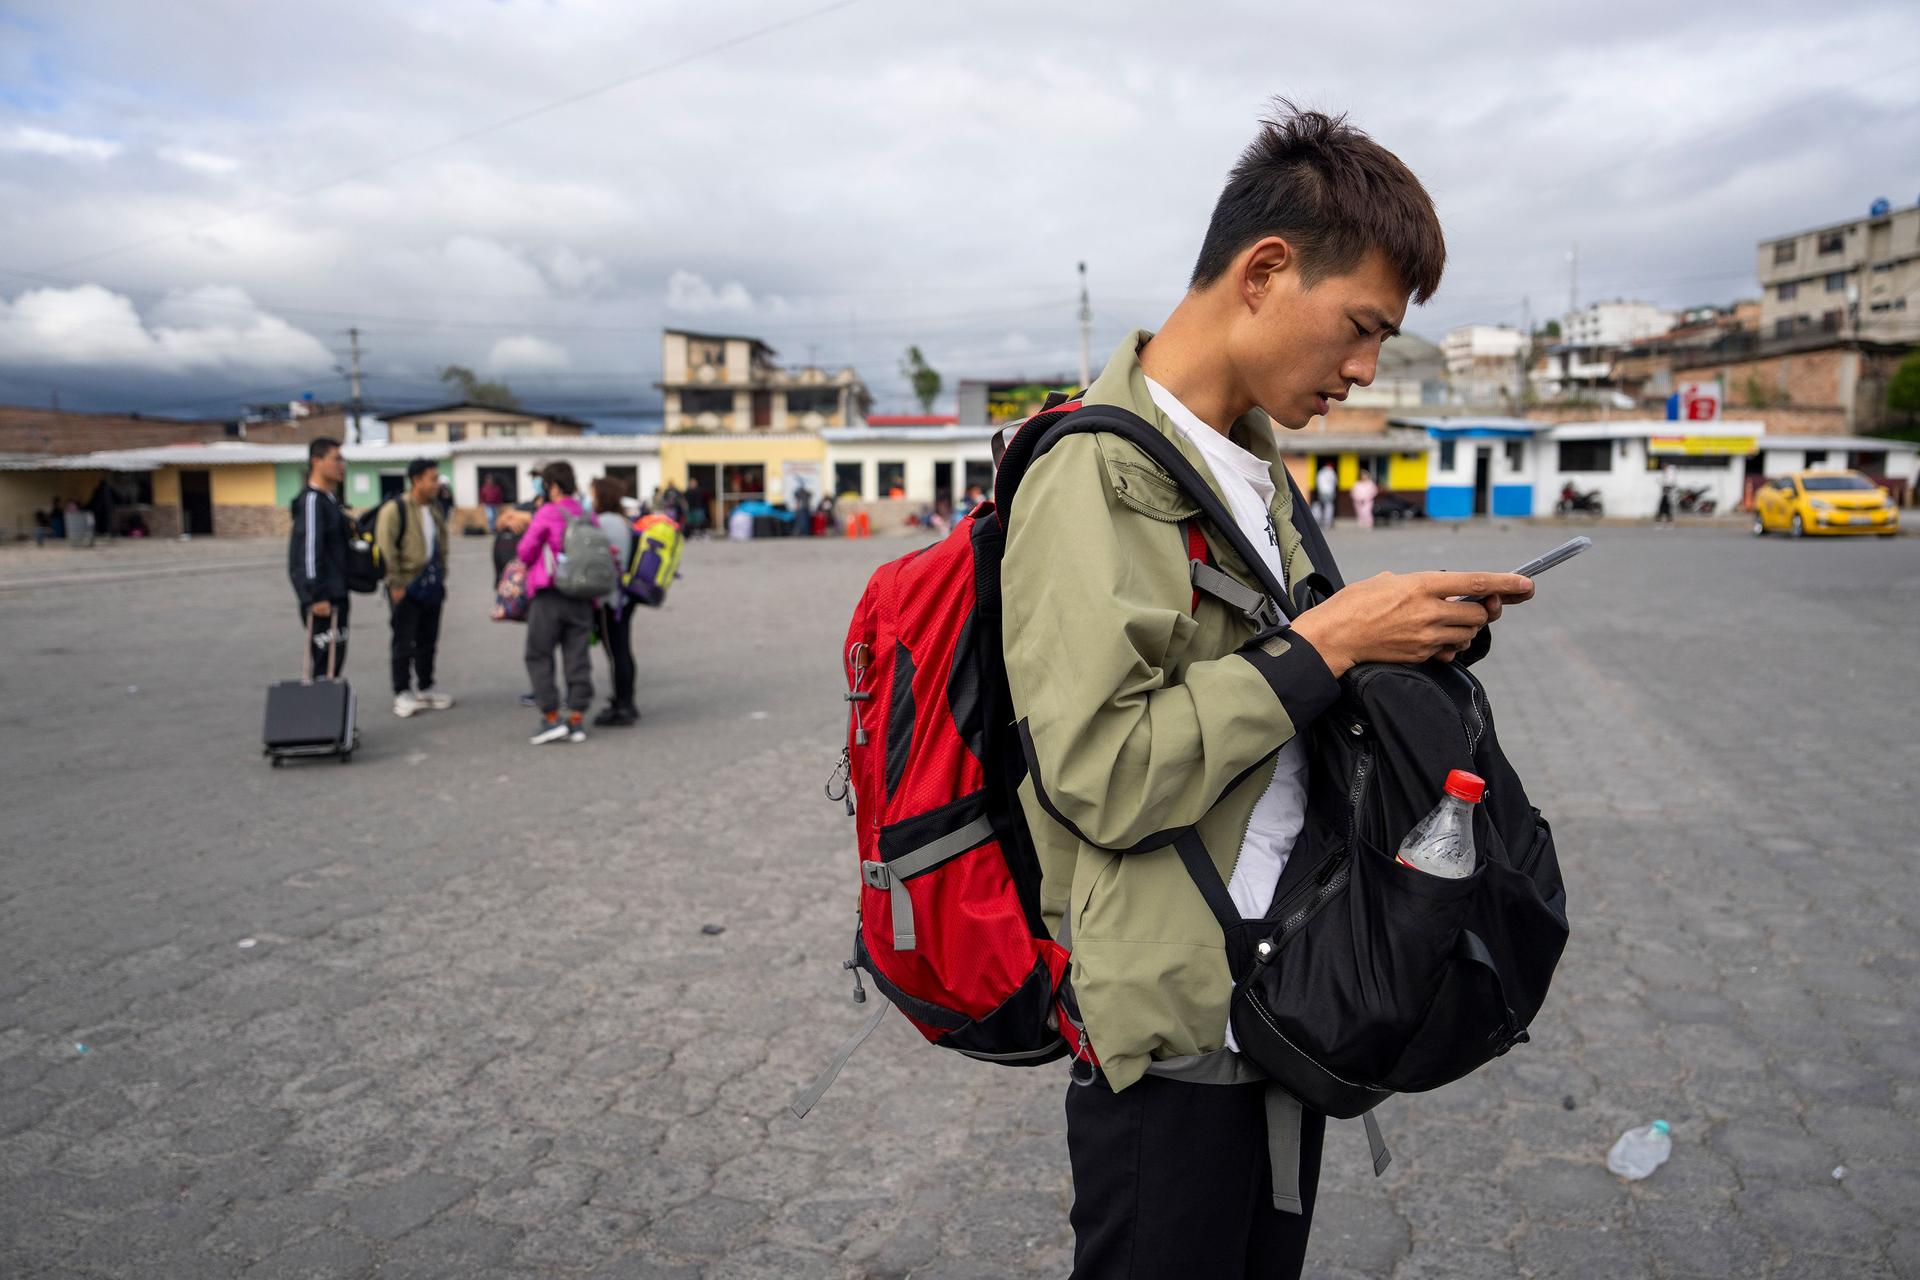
x,y
198,199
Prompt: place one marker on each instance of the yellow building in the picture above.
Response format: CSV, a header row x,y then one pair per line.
x,y
735,468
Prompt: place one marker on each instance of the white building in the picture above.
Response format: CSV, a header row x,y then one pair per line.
x,y
1582,358
1517,467
1614,324
919,465
1483,362
632,460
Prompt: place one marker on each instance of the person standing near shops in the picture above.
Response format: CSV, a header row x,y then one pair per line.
x,y
491,496
411,532
1326,489
556,621
614,609
317,554
1364,491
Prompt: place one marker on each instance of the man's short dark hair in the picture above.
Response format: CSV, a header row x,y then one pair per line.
x,y
320,447
1333,193
419,467
559,478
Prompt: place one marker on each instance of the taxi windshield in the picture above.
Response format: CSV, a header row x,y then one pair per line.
x,y
1836,484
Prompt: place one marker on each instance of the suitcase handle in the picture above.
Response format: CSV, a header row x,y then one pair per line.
x,y
333,646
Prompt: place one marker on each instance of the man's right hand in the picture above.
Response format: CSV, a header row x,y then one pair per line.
x,y
322,609
1406,617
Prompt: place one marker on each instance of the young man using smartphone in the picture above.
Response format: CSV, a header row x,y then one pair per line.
x,y
1145,713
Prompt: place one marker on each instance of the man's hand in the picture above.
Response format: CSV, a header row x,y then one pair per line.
x,y
398,594
514,521
322,609
1406,617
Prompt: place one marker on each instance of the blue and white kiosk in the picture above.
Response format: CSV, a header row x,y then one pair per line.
x,y
1478,466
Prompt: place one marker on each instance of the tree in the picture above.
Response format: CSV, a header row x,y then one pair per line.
x,y
1903,389
1551,329
495,395
924,378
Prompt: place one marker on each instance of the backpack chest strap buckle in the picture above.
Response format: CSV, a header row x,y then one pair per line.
x,y
1256,606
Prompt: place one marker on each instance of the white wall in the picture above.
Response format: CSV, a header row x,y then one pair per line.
x,y
1629,489
919,457
587,467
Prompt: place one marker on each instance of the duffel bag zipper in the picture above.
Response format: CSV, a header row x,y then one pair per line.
x,y
1339,867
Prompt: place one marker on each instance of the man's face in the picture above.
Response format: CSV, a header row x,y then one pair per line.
x,y
426,484
1296,348
332,468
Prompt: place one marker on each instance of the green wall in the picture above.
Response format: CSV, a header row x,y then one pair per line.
x,y
363,479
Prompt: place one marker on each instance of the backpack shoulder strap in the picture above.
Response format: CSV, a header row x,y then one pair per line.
x,y
1044,430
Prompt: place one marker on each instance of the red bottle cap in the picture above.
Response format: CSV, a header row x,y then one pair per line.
x,y
1466,786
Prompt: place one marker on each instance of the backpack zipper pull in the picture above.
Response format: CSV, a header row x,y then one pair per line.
x,y
857,660
859,992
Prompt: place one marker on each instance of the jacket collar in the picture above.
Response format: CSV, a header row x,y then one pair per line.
x,y
1124,383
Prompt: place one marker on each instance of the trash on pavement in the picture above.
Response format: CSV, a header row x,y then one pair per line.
x,y
1640,1151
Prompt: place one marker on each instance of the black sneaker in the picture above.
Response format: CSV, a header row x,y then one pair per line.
x,y
528,700
615,717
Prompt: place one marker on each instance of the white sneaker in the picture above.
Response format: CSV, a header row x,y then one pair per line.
x,y
434,700
576,731
555,732
405,704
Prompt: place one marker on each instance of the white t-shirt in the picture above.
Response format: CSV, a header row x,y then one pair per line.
x,y
425,515
1247,484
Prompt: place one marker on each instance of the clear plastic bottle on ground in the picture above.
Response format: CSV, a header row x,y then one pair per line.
x,y
1640,1151
1441,844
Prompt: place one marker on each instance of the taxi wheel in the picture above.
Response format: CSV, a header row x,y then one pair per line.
x,y
1759,526
1797,529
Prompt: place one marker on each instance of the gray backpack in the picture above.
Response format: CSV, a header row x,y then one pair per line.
x,y
585,569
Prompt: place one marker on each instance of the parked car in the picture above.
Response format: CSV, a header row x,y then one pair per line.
x,y
1823,502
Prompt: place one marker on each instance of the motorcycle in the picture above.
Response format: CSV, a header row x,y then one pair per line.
x,y
1572,500
1696,502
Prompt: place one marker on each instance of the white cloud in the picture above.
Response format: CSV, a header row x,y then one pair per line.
x,y
208,330
206,162
524,353
687,291
46,142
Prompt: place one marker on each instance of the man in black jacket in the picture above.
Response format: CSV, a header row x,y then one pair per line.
x,y
317,553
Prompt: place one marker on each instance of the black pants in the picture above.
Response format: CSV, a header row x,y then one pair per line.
x,y
617,631
416,637
557,621
323,634
1172,1179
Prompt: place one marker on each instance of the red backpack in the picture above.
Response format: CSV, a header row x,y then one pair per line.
x,y
950,927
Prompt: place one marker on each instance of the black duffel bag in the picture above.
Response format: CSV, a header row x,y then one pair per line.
x,y
1368,977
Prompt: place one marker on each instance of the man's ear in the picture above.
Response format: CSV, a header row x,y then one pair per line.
x,y
1262,266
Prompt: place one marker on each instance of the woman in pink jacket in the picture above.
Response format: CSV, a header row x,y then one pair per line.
x,y
555,620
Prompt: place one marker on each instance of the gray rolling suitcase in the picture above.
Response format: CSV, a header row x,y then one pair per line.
x,y
309,717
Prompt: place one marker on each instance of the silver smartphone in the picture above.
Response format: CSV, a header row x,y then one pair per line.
x,y
1534,568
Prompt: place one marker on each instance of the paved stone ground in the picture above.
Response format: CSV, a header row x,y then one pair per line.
x,y
482,1033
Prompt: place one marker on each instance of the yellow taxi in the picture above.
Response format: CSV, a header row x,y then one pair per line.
x,y
1808,502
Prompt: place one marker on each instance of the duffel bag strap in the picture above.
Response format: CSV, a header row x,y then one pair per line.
x,y
891,877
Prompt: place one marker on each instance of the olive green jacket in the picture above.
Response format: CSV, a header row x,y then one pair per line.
x,y
405,553
1142,715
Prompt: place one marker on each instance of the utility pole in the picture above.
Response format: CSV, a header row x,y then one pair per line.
x,y
353,380
1086,329
1525,387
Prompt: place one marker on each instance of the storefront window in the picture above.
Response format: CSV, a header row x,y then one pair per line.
x,y
893,479
846,479
1446,455
1585,455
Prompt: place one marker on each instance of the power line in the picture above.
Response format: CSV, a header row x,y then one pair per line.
x,y
517,117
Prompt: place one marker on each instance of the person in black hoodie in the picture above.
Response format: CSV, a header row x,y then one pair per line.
x,y
317,553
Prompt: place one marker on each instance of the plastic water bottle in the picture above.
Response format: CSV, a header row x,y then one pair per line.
x,y
1441,844
1640,1151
